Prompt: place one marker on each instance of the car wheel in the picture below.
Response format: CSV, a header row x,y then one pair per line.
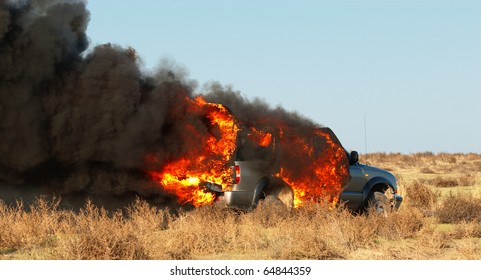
x,y
379,204
281,192
286,196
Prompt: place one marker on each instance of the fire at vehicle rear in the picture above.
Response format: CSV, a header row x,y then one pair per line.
x,y
294,166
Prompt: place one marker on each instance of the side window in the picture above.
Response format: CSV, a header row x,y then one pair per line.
x,y
318,146
254,144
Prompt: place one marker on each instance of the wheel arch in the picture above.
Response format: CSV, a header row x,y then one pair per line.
x,y
376,184
258,191
271,186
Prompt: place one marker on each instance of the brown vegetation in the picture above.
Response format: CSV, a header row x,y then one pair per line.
x,y
438,220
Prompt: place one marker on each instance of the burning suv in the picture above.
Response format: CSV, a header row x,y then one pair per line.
x,y
267,165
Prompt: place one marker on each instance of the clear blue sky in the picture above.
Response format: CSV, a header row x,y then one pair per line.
x,y
412,69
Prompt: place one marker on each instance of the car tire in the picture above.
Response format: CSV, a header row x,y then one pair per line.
x,y
282,192
379,204
286,195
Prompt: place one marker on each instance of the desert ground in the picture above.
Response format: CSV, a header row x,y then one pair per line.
x,y
439,220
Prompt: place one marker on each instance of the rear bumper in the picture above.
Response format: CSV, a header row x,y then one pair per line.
x,y
232,199
237,199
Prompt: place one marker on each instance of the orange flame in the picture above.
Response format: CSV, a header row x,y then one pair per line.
x,y
209,162
323,173
262,138
314,165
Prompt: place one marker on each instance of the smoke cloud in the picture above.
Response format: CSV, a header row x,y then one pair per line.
x,y
72,122
80,124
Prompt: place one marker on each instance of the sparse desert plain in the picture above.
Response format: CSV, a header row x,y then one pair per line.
x,y
440,219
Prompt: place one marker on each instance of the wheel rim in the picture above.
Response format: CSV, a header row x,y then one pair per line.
x,y
286,196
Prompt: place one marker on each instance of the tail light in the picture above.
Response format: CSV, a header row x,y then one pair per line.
x,y
237,174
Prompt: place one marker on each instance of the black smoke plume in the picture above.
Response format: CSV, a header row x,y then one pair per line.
x,y
73,123
80,123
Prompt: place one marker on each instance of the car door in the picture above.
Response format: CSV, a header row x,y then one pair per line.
x,y
352,193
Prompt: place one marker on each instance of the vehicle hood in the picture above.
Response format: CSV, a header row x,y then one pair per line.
x,y
378,172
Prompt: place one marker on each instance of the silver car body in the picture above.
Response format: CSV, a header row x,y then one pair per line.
x,y
364,181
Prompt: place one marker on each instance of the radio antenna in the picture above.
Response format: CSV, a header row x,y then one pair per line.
x,y
365,137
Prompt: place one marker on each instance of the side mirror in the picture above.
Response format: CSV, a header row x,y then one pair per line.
x,y
353,158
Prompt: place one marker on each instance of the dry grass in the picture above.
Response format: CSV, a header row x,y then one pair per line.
x,y
438,220
459,208
143,232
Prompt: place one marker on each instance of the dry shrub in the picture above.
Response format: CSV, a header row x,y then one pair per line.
x,y
320,232
97,234
448,158
450,182
467,180
444,182
406,224
206,230
420,196
382,159
269,231
146,219
397,225
459,208
468,249
22,226
426,154
427,170
270,212
433,244
314,231
409,161
476,167
470,229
